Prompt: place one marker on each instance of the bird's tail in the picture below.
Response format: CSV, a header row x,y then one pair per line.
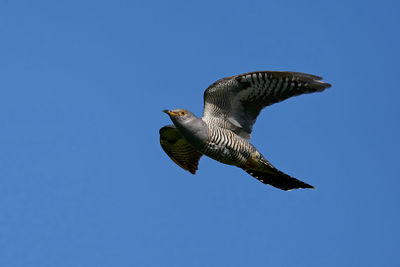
x,y
261,169
278,179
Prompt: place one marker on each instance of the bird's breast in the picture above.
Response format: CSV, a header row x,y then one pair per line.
x,y
225,146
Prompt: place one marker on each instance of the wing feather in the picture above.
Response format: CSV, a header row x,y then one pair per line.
x,y
178,149
235,102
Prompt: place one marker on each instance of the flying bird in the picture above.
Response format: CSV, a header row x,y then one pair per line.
x,y
231,107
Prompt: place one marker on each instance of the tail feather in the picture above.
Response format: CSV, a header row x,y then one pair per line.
x,y
278,179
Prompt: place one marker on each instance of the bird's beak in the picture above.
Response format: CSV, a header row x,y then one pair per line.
x,y
170,112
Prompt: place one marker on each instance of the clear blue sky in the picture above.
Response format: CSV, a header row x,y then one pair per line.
x,y
84,182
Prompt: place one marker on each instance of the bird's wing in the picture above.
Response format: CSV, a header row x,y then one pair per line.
x,y
178,149
235,102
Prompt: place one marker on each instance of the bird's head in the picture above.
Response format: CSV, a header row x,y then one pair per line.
x,y
191,127
181,117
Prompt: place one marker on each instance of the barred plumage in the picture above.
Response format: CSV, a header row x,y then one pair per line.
x,y
231,107
227,147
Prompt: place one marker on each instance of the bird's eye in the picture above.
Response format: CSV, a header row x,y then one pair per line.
x,y
182,113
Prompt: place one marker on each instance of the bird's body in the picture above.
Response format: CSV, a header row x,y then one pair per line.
x,y
219,143
227,147
230,110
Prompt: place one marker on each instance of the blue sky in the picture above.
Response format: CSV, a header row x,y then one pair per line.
x,y
84,181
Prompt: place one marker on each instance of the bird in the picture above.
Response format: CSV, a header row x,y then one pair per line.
x,y
231,107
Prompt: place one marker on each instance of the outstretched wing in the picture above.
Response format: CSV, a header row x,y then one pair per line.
x,y
235,102
178,149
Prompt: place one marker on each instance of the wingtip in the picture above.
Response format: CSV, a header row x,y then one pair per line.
x,y
316,80
324,84
320,86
